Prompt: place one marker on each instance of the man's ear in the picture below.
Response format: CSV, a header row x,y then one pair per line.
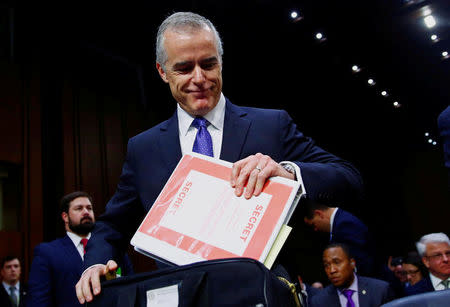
x,y
426,262
161,72
319,213
65,217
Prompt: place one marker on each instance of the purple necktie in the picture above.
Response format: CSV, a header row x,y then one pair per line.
x,y
203,141
348,294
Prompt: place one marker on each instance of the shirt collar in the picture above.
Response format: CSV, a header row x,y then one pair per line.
x,y
76,239
215,117
332,219
7,286
435,281
353,286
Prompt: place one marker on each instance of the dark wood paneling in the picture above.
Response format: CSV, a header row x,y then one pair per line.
x,y
33,190
11,124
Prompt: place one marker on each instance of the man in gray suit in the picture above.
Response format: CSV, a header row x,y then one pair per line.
x,y
348,289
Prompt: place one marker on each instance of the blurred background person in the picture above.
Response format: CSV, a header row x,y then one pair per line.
x,y
12,294
415,271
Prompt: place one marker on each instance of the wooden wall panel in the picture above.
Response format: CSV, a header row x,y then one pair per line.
x,y
90,143
113,143
33,191
11,124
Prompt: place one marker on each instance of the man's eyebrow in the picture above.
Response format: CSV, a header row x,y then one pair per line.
x,y
181,64
210,60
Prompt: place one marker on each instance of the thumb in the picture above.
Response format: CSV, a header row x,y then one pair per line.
x,y
111,265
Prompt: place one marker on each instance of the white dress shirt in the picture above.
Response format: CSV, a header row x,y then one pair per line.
x,y
437,282
332,221
355,296
187,133
76,239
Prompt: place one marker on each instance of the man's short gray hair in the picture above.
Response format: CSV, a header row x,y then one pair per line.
x,y
183,22
439,237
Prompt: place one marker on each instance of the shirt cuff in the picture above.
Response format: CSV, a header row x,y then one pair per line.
x,y
297,174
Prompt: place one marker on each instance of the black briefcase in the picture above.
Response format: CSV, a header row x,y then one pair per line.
x,y
224,282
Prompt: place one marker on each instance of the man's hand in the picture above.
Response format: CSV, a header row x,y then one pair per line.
x,y
91,280
254,171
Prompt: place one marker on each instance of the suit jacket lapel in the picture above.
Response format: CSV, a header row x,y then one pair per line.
x,y
169,142
71,251
334,297
235,130
363,292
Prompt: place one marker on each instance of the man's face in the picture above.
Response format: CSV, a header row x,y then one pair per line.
x,y
11,271
80,218
318,222
412,273
437,259
338,267
193,70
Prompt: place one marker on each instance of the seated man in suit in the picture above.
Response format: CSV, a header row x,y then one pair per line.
x,y
57,265
434,248
343,227
348,289
261,143
12,293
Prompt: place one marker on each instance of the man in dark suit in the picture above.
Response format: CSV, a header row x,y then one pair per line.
x,y
12,292
343,227
434,248
264,143
348,289
57,265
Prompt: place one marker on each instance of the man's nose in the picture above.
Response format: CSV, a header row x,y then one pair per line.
x,y
198,75
445,258
332,268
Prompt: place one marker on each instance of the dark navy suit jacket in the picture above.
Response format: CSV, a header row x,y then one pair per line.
x,y
56,268
153,155
371,292
4,296
422,286
350,230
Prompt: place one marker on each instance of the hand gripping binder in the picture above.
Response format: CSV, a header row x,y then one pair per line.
x,y
223,282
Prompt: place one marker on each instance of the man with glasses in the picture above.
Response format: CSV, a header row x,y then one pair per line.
x,y
434,249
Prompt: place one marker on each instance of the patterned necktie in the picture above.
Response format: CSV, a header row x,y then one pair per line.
x,y
13,296
203,142
446,283
84,241
348,294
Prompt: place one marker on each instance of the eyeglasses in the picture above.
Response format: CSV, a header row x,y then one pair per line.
x,y
439,257
412,273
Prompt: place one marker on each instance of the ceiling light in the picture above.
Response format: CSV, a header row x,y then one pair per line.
x,y
434,37
427,134
371,82
294,14
355,68
319,35
396,104
429,21
384,93
434,143
430,141
426,12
